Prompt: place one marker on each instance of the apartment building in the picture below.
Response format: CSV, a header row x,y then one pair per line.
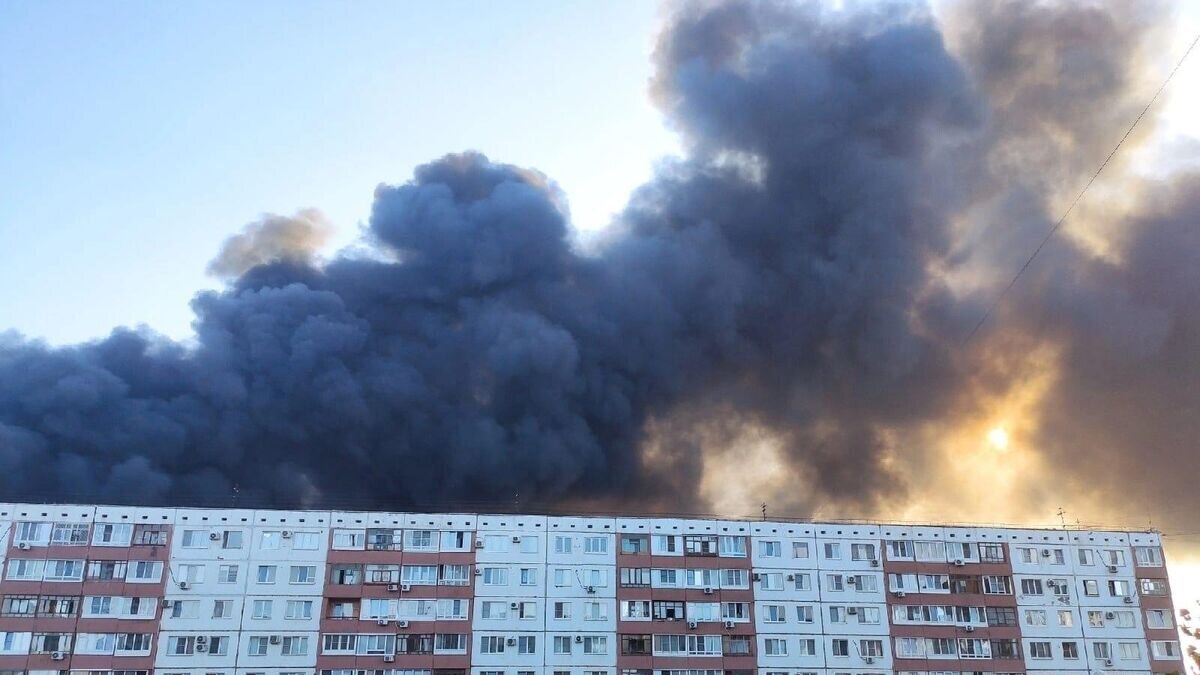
x,y
102,590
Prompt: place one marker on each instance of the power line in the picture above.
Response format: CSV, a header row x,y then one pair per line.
x,y
999,298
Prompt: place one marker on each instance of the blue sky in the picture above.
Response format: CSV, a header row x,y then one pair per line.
x,y
136,136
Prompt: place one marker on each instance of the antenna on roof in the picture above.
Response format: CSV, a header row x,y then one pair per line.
x,y
1062,517
764,510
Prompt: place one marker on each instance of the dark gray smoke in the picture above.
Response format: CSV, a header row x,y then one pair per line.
x,y
793,273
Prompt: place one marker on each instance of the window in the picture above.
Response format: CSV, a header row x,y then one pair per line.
x,y
528,576
991,553
1001,616
594,611
346,575
495,576
899,550
1129,650
1118,588
839,647
449,643
70,534
1159,618
258,646
804,613
770,549
1164,649
349,540
1070,650
1101,650
1035,617
302,574
562,644
732,578
595,544
595,644
266,574
145,570
419,575
870,648
1031,587
19,605
529,544
562,610
149,535
1153,586
222,609
634,645
997,585
834,582
1095,619
775,647
770,581
910,648
493,609
1148,556
700,545
929,551
112,534
833,551
262,609
1086,557
454,575
733,546
1091,588
231,539
64,570
800,549
58,605
665,610
419,540
227,574
802,582
1066,618
862,551
455,540
633,577
634,544
306,541
298,609
774,614
562,544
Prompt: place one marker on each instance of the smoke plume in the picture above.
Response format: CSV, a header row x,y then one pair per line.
x,y
856,186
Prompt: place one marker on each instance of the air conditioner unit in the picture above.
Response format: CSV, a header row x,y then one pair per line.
x,y
1045,553
214,536
959,562
874,562
478,572
381,621
869,659
899,594
57,656
791,577
275,639
511,642
478,543
201,647
729,624
201,639
286,534
1112,568
851,581
708,591
1108,662
516,540
168,604
591,589
514,605
851,611
404,588
757,576
1129,599
389,658
1110,615
393,587
183,585
578,639
402,623
24,546
969,628
692,624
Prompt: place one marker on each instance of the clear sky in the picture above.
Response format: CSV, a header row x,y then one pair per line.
x,y
135,136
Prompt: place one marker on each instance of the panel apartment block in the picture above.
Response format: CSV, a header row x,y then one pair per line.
x,y
101,590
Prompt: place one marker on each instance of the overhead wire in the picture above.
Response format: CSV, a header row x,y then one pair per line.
x,y
1074,202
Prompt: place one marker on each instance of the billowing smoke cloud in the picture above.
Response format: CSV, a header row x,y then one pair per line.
x,y
856,186
273,239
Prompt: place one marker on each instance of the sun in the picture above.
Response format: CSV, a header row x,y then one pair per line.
x,y
998,438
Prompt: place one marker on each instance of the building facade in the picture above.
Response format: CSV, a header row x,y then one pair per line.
x,y
103,590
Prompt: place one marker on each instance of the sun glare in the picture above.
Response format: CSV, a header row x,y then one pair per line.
x,y
998,438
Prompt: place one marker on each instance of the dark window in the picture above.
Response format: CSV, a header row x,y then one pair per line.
x,y
634,645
